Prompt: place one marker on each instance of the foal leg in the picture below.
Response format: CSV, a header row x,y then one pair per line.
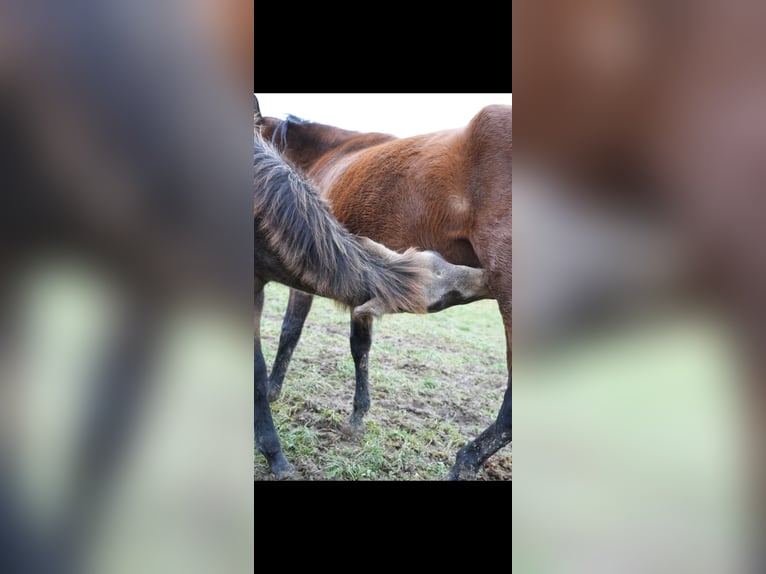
x,y
298,308
361,341
266,438
472,456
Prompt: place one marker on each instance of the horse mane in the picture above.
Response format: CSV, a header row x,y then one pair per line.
x,y
320,136
315,248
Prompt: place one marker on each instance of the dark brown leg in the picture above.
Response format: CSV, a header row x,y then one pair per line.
x,y
298,308
361,341
472,456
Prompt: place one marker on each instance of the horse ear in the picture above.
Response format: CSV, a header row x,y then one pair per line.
x,y
257,117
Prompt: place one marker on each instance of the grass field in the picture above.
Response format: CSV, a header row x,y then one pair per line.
x,y
436,381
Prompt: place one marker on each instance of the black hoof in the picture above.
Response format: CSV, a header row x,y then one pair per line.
x,y
353,428
462,474
274,392
281,469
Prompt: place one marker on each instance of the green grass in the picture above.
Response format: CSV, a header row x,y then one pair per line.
x,y
436,381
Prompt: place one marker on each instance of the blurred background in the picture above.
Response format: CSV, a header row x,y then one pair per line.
x,y
638,280
126,286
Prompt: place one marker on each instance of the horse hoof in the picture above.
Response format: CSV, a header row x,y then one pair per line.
x,y
274,393
352,428
282,470
456,473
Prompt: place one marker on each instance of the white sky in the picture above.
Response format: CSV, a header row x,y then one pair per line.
x,y
398,114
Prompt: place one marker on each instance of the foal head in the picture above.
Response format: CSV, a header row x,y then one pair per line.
x,y
444,284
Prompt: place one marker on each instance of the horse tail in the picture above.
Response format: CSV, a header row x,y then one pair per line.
x,y
314,247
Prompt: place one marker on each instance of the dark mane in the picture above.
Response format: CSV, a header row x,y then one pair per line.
x,y
317,250
307,135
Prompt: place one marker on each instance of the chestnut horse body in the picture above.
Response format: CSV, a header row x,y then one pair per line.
x,y
447,191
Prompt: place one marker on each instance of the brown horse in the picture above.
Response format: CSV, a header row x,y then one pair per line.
x,y
448,191
297,242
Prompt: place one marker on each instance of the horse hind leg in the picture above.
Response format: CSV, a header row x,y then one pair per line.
x,y
360,339
472,456
298,307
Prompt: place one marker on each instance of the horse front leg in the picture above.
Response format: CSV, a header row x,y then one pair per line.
x,y
361,341
266,438
298,307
